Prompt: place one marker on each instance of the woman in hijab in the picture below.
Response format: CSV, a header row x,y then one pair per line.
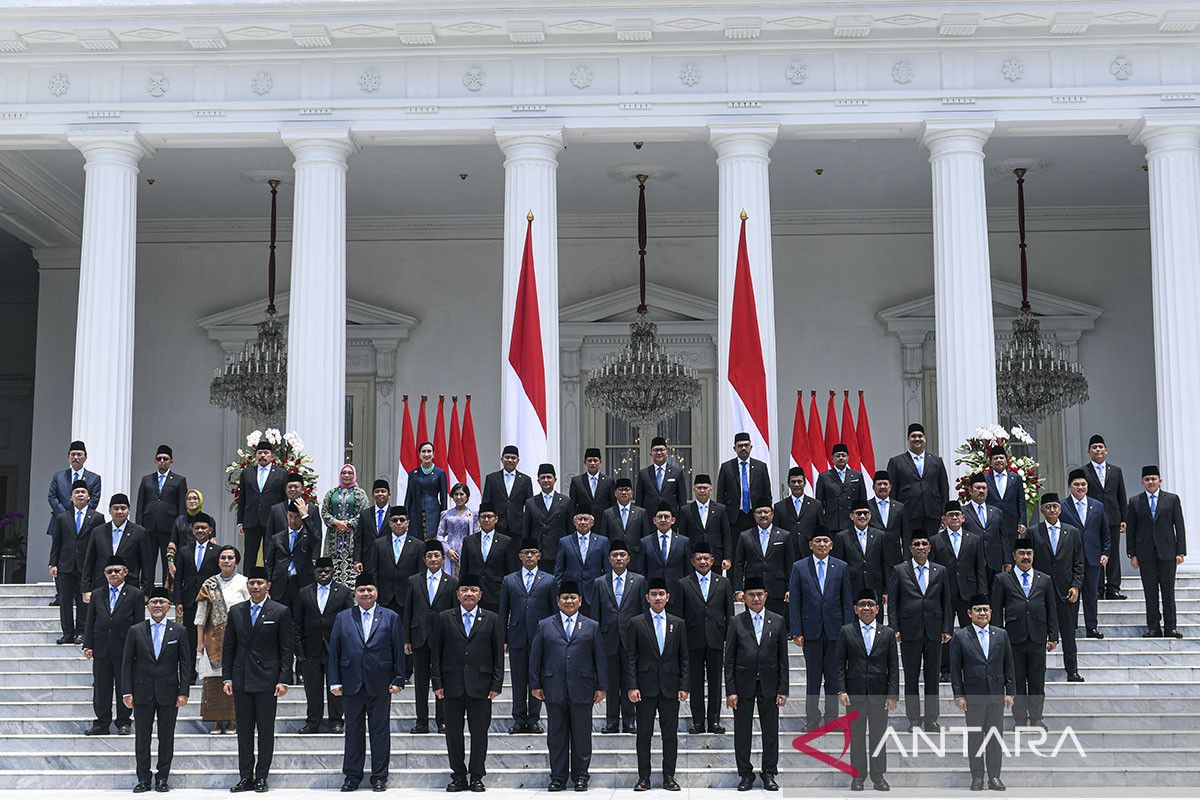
x,y
456,525
216,596
181,531
426,498
340,510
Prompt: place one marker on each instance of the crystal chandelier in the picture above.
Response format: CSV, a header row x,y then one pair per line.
x,y
642,383
254,382
1035,375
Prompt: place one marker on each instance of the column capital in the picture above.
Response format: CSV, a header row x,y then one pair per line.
x,y
733,139
319,144
52,258
943,137
1159,133
116,148
530,142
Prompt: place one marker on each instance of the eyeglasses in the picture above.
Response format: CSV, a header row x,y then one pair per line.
x,y
866,604
980,609
113,571
162,458
862,513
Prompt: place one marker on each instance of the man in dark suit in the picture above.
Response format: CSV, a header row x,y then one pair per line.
x,y
1006,491
1023,602
983,678
819,601
195,562
568,672
920,482
863,549
838,489
366,667
393,559
920,611
159,501
620,596
59,493
468,673
68,554
799,515
706,520
112,611
506,490
1088,515
756,673
256,665
767,551
660,481
373,520
548,515
868,683
289,559
526,598
986,521
156,671
961,553
665,553
489,555
656,672
260,486
888,516
1156,543
743,484
316,609
626,520
1106,483
1058,551
582,557
310,513
428,593
117,537
593,488
706,605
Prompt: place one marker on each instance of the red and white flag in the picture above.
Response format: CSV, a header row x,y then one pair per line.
x,y
800,457
422,432
866,450
440,458
832,436
849,437
747,373
471,456
816,443
408,457
524,412
457,473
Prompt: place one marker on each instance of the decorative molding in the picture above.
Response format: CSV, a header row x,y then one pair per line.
x,y
261,83
689,75
621,306
796,73
474,79
157,85
634,30
1071,23
743,28
1012,70
852,26
59,84
902,72
417,34
310,35
958,24
205,38
99,39
11,42
1121,68
526,32
370,81
364,321
581,77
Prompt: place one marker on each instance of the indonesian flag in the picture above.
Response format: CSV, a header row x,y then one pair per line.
x,y
800,457
408,456
440,458
816,444
849,437
474,478
458,467
866,450
525,371
747,373
831,429
422,433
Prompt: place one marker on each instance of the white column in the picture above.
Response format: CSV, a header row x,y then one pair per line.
x,y
531,184
743,184
962,284
317,310
1173,153
102,397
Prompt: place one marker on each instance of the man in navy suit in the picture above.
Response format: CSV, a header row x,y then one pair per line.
x,y
920,482
68,553
1006,491
59,493
568,670
985,520
366,667
1058,551
582,557
666,554
819,603
660,481
1156,543
983,677
1088,515
1106,483
743,484
526,598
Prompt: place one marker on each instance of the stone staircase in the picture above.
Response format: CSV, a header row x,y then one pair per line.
x,y
1137,717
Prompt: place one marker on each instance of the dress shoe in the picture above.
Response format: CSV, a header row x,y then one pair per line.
x,y
629,729
914,724
611,727
534,727
1094,634
856,785
310,728
124,730
671,785
581,784
66,640
457,785
143,786
260,785
976,784
244,785
695,728
441,726
716,728
932,726
1115,595
378,785
54,602
79,638
944,677
96,730
746,783
162,786
810,726
769,783
556,786
1074,677
350,784
643,785
1152,633
881,785
477,785
1172,633
517,727
419,728
996,785
1039,723
339,727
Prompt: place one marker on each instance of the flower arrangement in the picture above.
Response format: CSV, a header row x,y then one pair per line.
x,y
973,454
289,454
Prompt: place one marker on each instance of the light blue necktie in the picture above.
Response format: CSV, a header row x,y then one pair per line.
x,y
1081,510
954,540
821,574
982,509
548,499
366,625
157,639
1153,506
758,622
745,488
868,636
796,503
528,581
322,596
660,478
1025,583
663,548
862,541
919,463
983,641
162,478
842,475
764,538
624,517
75,477
570,626
378,518
254,614
116,536
292,552
921,577
620,590
1054,539
485,545
883,512
397,544
78,520
704,587
509,477
199,556
583,548
112,598
467,622
660,632
262,477
432,587
593,480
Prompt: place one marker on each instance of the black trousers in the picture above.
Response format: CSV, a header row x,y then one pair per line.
x,y
569,739
155,554
105,692
866,732
421,688
366,712
316,689
72,615
1158,578
743,733
705,665
189,624
143,722
820,662
618,709
1068,619
526,709
253,542
1112,572
964,619
1093,579
1029,662
984,712
916,654
666,708
476,713
255,712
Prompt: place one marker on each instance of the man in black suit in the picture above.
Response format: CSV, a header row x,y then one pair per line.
x,y
156,671
1087,514
660,481
593,487
256,665
706,520
961,553
526,598
488,555
68,554
920,611
1058,551
393,559
868,670
863,549
117,537
743,484
468,672
665,553
756,673
656,672
317,606
159,501
506,490
1156,543
620,596
838,489
819,604
373,520
983,678
61,483
1023,603
920,482
888,516
310,513
764,550
706,605
428,593
626,520
289,559
1106,483
582,557
112,611
1006,491
195,562
548,515
799,514
986,521
260,486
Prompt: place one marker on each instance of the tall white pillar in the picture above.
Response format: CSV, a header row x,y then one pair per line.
x,y
1173,153
102,396
531,184
962,284
743,157
316,410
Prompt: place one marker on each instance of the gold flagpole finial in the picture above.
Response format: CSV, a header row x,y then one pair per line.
x,y
529,216
745,216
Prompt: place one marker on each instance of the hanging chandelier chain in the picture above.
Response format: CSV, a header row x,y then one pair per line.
x,y
641,179
274,184
1020,173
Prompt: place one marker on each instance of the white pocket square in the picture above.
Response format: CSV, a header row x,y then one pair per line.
x,y
268,622
175,641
